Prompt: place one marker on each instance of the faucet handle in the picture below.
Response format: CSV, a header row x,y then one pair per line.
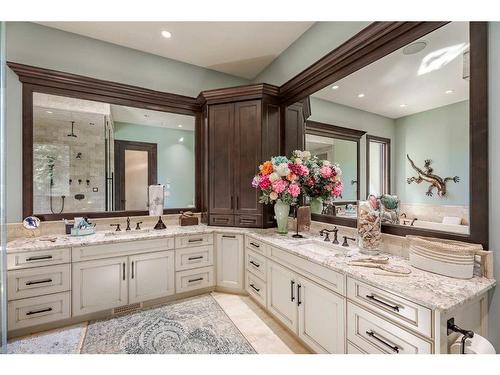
x,y
118,229
345,243
326,233
138,225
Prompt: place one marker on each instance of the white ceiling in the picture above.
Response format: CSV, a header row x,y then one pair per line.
x,y
242,49
148,117
394,79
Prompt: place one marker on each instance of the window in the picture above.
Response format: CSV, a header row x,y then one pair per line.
x,y
378,165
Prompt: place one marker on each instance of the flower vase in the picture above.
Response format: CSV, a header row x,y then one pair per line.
x,y
316,205
281,212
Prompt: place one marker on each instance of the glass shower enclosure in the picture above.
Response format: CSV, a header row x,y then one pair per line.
x,y
3,265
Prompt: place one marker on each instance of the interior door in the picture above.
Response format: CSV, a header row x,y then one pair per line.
x,y
230,261
135,170
221,134
248,154
282,295
99,285
321,318
151,276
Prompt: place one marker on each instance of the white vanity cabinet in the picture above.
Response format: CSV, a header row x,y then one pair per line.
x,y
281,295
230,263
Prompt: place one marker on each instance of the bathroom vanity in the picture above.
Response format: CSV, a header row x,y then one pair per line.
x,y
306,284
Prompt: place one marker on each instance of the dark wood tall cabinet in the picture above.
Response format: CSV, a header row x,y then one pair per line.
x,y
243,129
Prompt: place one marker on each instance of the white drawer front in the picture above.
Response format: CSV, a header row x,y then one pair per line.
x,y
375,335
38,258
331,279
256,288
400,310
39,310
256,264
32,282
199,278
351,349
255,245
194,240
85,253
195,257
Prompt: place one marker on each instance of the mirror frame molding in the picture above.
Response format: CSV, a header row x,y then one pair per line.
x,y
378,40
386,141
36,79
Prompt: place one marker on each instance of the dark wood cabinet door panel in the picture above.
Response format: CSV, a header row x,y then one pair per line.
x,y
294,128
221,220
221,142
271,133
247,155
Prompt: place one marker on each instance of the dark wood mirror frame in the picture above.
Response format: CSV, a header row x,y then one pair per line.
x,y
35,79
338,132
378,40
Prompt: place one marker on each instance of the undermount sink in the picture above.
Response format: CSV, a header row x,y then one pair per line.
x,y
125,232
324,248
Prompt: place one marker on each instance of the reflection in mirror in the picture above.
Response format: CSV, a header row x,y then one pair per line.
x,y
95,157
414,105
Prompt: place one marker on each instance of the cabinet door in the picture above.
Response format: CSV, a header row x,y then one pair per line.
x,y
282,295
151,276
230,264
248,155
321,318
99,285
221,142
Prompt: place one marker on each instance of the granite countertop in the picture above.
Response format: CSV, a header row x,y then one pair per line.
x,y
428,289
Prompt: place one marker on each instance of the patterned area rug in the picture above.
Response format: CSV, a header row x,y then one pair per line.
x,y
60,341
193,326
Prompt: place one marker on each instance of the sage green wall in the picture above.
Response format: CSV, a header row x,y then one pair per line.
x,y
349,117
33,44
442,135
320,39
175,159
494,174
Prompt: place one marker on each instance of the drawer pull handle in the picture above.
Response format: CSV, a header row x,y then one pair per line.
x,y
299,302
255,264
394,348
123,271
194,280
254,288
39,311
292,297
221,219
41,257
375,299
133,270
195,240
254,244
228,236
39,282
194,258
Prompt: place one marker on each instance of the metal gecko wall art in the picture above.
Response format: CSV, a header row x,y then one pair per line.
x,y
426,175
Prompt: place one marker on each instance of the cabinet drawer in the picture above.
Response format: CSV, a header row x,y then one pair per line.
x,y
256,264
196,257
221,220
38,258
39,310
194,240
329,278
85,253
256,288
352,349
38,281
249,221
375,335
400,310
199,278
255,245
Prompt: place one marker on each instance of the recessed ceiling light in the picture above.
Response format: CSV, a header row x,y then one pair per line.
x,y
402,105
361,95
335,87
179,126
166,34
449,92
181,139
49,112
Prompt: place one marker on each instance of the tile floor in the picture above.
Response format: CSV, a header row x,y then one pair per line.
x,y
263,332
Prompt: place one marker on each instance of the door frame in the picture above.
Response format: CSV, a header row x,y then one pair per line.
x,y
120,147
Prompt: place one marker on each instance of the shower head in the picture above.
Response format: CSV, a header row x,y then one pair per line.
x,y
72,128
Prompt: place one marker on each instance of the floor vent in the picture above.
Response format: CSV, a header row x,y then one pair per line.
x,y
127,309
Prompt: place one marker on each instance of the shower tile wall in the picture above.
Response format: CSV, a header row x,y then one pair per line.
x,y
76,158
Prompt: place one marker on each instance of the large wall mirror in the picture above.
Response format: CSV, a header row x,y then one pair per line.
x,y
417,109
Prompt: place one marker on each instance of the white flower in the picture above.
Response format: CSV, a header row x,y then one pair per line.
x,y
306,155
326,163
274,177
298,154
282,170
298,161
